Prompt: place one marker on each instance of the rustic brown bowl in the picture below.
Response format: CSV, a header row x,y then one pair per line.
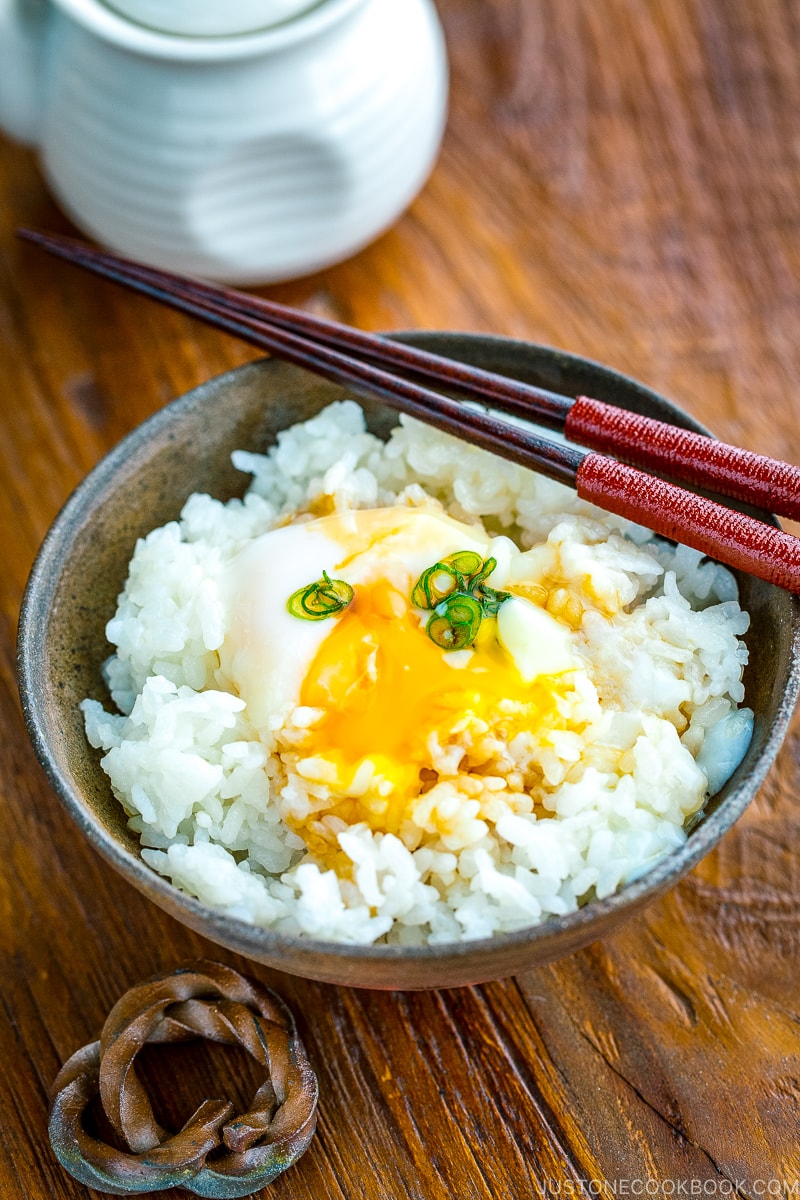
x,y
144,482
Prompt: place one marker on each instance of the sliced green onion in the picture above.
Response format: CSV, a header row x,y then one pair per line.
x,y
456,590
457,593
491,599
483,571
434,584
455,622
467,562
317,601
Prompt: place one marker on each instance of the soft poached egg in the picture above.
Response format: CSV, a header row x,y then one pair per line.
x,y
375,685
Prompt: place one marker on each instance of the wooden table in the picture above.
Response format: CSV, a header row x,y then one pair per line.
x,y
620,178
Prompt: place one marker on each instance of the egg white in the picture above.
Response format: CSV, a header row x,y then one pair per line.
x,y
267,652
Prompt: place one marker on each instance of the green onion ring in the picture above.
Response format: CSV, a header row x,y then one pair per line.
x,y
320,600
455,622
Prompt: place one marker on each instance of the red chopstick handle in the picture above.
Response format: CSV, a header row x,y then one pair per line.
x,y
694,459
722,533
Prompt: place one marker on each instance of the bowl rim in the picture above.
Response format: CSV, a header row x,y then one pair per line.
x,y
260,940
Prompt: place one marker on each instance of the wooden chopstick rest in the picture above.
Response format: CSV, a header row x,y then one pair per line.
x,y
217,1153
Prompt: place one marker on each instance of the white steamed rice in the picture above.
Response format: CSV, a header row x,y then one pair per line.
x,y
552,820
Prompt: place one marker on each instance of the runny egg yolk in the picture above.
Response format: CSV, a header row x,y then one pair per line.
x,y
385,688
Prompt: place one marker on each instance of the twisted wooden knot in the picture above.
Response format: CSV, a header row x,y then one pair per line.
x,y
216,1153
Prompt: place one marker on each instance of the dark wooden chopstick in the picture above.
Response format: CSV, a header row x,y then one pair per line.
x,y
676,453
732,537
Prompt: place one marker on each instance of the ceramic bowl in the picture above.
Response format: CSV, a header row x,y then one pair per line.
x,y
144,482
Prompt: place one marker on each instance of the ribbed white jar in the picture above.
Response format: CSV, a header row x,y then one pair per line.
x,y
251,159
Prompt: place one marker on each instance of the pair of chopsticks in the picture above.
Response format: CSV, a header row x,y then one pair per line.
x,y
398,375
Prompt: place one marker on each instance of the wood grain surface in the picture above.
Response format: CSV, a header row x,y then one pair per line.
x,y
620,178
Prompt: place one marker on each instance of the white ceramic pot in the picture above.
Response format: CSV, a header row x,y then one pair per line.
x,y
250,158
